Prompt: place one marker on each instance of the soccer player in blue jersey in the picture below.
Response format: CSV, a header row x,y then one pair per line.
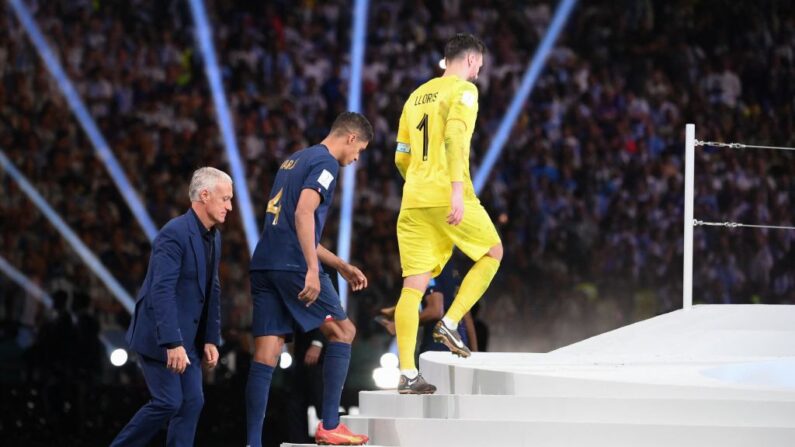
x,y
288,285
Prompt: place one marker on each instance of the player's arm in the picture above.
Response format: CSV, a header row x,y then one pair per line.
x,y
457,136
305,231
403,149
312,355
350,272
328,257
166,263
434,307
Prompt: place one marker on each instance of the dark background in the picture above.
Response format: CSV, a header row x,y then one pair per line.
x,y
587,195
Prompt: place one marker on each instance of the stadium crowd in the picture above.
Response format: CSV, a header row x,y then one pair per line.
x,y
587,195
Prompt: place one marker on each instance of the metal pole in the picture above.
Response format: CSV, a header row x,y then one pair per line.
x,y
687,283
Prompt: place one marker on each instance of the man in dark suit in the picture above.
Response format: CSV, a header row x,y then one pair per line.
x,y
176,323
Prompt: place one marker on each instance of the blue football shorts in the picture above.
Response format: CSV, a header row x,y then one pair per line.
x,y
277,308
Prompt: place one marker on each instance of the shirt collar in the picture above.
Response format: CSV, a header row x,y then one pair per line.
x,y
202,230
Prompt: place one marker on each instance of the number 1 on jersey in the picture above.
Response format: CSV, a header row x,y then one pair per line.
x,y
423,126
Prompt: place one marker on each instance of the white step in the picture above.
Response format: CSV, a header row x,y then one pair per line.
x,y
563,375
745,413
415,432
705,331
712,376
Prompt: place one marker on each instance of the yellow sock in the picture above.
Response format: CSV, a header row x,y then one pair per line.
x,y
407,323
473,287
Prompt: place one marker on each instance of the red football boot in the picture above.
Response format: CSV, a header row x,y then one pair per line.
x,y
339,436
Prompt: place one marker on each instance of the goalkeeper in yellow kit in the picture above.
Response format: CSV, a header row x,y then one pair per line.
x,y
439,208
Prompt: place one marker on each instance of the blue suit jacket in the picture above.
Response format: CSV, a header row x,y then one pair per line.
x,y
169,305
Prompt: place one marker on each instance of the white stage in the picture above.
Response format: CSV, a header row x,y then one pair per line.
x,y
719,375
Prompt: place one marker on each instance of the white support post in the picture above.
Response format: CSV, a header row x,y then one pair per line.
x,y
690,149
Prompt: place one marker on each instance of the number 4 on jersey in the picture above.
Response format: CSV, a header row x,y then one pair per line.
x,y
274,207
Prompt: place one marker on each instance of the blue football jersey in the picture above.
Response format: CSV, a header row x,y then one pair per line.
x,y
278,248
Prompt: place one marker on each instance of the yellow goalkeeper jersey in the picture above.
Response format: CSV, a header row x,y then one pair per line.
x,y
428,154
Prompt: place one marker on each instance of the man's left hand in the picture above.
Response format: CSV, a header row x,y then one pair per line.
x,y
354,276
312,355
210,355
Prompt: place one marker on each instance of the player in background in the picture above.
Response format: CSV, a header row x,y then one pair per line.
x,y
439,209
437,299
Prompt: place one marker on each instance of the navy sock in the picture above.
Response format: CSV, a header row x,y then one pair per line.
x,y
259,383
335,369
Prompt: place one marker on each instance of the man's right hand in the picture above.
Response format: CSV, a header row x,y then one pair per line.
x,y
456,204
311,287
177,359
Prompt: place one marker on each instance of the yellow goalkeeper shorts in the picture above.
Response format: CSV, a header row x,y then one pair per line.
x,y
426,240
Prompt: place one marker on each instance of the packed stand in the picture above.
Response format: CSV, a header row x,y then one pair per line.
x,y
587,194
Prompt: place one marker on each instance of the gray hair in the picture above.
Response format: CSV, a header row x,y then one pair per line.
x,y
205,178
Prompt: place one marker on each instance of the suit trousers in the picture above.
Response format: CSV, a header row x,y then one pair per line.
x,y
177,400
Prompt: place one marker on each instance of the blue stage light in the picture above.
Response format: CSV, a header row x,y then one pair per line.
x,y
205,41
528,81
25,282
89,126
349,174
85,254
